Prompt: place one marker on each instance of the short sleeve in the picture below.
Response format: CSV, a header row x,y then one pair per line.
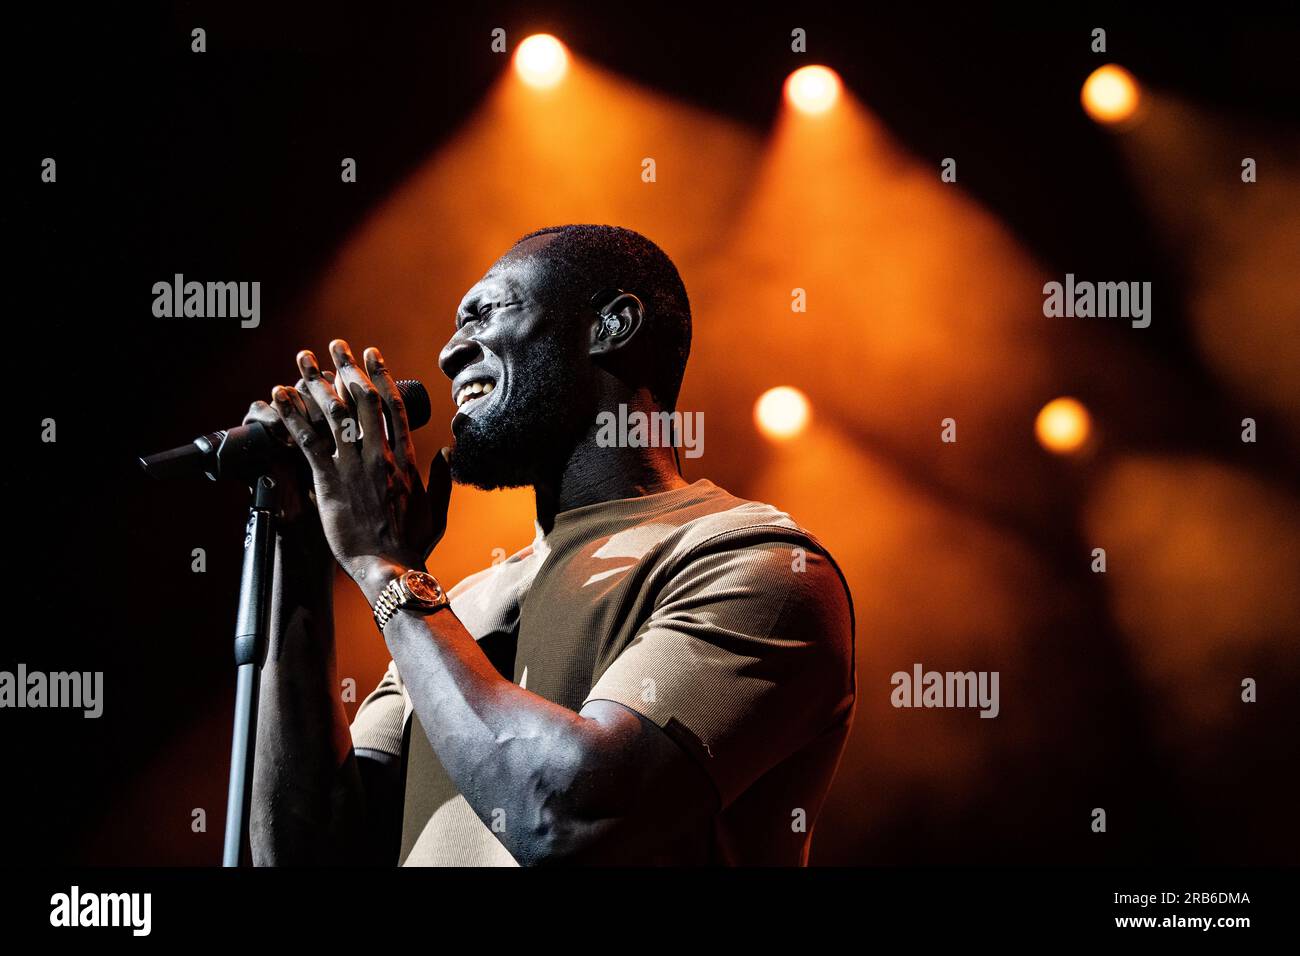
x,y
381,717
746,658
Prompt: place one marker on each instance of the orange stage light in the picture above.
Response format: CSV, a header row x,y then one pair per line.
x,y
812,89
541,61
783,412
1110,95
1063,426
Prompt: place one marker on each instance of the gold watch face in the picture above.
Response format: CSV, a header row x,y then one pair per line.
x,y
423,587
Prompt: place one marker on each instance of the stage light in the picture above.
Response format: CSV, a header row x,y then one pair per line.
x,y
812,89
1110,95
782,413
1063,426
541,61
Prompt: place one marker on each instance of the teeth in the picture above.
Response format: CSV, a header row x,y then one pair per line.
x,y
472,391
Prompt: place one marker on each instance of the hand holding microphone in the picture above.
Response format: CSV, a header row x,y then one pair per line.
x,y
263,444
375,508
243,451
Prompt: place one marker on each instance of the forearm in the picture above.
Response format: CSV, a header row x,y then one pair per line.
x,y
525,765
307,797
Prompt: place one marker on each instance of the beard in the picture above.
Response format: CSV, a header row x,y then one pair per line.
x,y
530,436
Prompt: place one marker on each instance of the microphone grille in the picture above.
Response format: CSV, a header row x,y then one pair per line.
x,y
416,399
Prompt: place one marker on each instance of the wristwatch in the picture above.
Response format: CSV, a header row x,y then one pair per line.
x,y
414,591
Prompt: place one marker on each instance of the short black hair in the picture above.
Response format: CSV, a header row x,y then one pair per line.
x,y
584,259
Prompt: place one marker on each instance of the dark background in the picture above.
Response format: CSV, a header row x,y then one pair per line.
x,y
172,162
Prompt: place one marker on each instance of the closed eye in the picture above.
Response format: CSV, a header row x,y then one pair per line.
x,y
482,312
476,316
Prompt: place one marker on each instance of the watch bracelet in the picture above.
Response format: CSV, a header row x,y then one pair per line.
x,y
388,602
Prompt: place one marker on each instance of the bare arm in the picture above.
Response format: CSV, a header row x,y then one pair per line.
x,y
306,787
601,785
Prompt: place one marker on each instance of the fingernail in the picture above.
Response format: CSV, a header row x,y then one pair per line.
x,y
307,362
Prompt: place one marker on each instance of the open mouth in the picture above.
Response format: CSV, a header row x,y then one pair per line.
x,y
473,395
472,392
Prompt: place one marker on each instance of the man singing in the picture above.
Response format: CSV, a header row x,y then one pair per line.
x,y
663,676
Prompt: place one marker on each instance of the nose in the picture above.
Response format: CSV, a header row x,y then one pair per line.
x,y
458,353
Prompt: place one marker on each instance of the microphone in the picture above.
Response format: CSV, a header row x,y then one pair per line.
x,y
245,451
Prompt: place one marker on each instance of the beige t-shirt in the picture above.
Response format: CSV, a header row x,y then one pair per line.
x,y
716,618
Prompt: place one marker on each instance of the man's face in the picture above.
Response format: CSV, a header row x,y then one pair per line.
x,y
521,377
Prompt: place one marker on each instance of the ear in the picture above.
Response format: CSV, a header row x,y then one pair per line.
x,y
616,323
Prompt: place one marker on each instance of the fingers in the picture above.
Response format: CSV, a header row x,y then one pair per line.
x,y
353,380
264,413
342,425
399,437
292,410
313,410
352,405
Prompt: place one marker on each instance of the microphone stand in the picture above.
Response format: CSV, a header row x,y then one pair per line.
x,y
252,626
